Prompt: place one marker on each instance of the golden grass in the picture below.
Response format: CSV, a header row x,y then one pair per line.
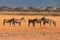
x,y
24,29
29,13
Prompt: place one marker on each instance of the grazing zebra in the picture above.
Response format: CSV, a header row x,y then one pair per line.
x,y
33,21
18,21
45,20
50,21
8,21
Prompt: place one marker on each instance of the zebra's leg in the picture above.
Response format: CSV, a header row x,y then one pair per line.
x,y
54,24
19,23
33,24
4,22
40,24
28,24
44,23
13,23
10,23
50,23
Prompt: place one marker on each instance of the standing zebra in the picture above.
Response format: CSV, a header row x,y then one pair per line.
x,y
8,21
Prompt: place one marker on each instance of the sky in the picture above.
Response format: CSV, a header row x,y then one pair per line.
x,y
29,2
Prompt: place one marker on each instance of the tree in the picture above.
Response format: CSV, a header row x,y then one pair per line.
x,y
57,10
47,9
19,9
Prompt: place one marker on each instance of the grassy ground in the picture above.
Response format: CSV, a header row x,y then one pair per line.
x,y
29,13
23,32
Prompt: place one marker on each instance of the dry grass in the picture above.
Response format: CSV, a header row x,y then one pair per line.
x,y
24,29
29,13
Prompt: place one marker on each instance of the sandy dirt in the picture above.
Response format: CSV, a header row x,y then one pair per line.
x,y
23,32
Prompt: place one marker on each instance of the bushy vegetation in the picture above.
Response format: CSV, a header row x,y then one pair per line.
x,y
29,11
5,8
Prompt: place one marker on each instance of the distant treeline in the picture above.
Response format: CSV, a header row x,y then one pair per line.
x,y
38,9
